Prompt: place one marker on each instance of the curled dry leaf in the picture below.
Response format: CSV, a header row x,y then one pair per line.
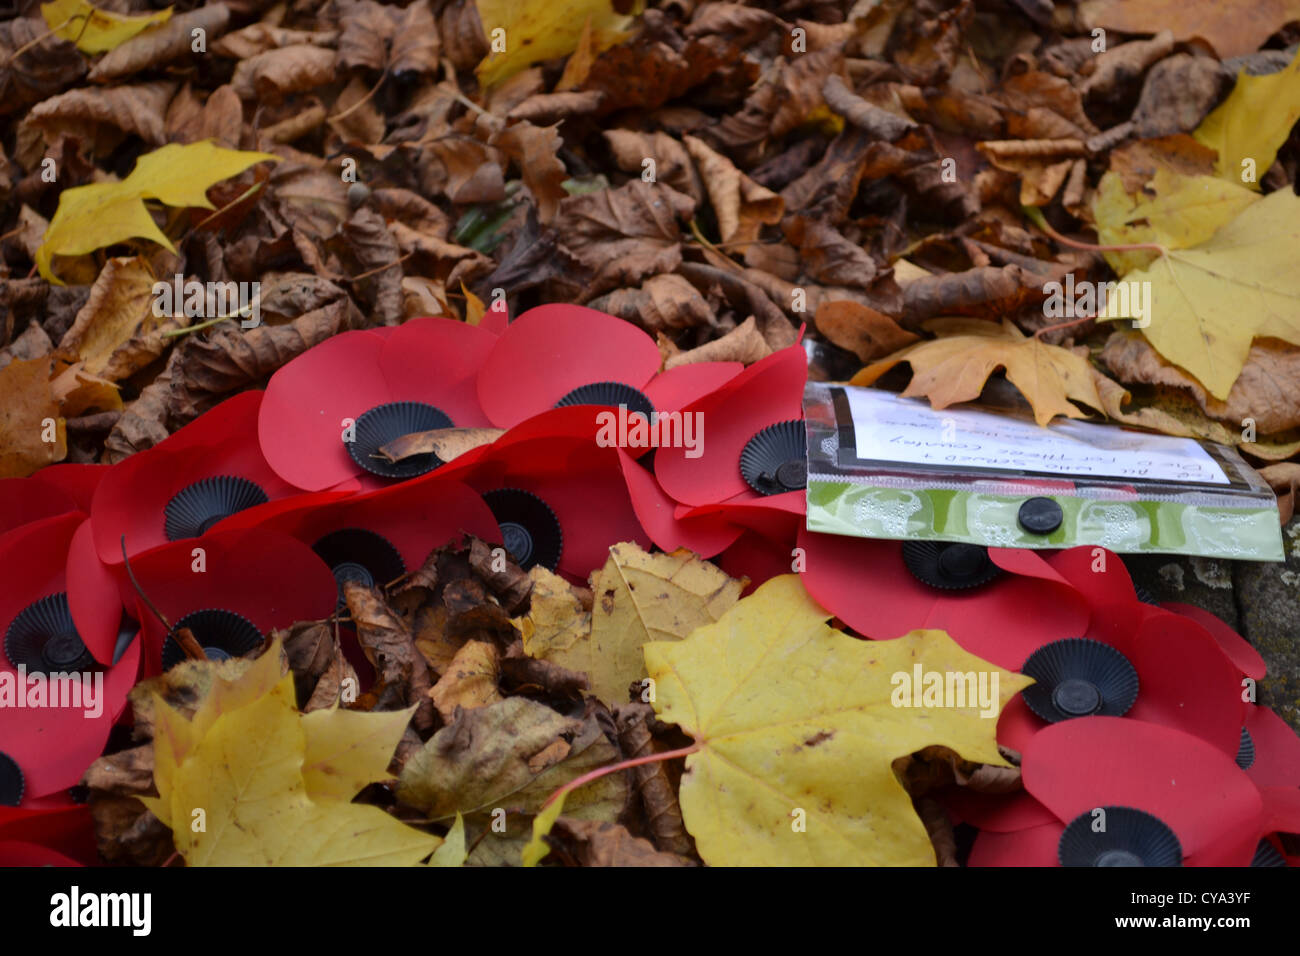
x,y
469,681
277,73
162,44
745,343
595,843
402,676
955,367
535,150
657,791
1283,478
1264,392
446,443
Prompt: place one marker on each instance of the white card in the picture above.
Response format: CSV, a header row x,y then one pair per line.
x,y
909,431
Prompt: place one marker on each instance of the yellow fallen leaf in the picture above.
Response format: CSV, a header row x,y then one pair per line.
x,y
237,781
1253,122
452,852
1184,211
639,597
346,749
469,681
798,731
101,214
94,30
537,848
523,32
1209,302
954,367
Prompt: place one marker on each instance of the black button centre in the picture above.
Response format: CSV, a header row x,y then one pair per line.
x,y
1076,697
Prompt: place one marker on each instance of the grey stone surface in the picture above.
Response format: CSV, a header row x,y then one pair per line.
x,y
1205,582
1268,602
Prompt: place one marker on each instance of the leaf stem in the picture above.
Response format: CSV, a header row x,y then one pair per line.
x,y
599,772
1036,216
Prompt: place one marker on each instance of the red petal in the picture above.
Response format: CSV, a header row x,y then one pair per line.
x,y
864,582
437,361
1242,654
999,812
767,392
1191,785
550,350
300,426
66,828
23,500
13,853
758,558
1277,749
675,388
1035,846
706,535
93,596
78,481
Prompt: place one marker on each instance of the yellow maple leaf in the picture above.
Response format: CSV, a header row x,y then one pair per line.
x,y
523,32
248,780
101,214
1173,211
1208,303
94,30
798,728
954,367
639,597
1253,122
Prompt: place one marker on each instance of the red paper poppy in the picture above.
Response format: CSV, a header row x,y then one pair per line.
x,y
257,579
23,500
1272,757
179,488
556,354
368,531
1194,791
865,583
51,746
744,413
584,502
323,394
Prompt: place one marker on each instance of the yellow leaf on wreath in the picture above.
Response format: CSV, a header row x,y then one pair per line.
x,y
1254,121
798,730
523,32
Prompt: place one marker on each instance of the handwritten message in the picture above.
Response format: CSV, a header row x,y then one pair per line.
x,y
909,431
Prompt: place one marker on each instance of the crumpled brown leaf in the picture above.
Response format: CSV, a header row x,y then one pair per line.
x,y
664,302
277,73
594,843
625,235
402,676
104,116
46,66
535,150
1264,393
161,44
654,787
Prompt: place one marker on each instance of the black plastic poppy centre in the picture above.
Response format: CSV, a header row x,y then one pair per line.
x,y
43,640
612,394
775,460
1079,677
12,784
1130,838
222,634
1266,855
949,566
386,423
360,555
530,531
198,506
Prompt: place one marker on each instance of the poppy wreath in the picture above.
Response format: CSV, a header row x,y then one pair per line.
x,y
253,517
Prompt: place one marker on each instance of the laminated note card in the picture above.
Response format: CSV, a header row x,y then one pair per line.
x,y
881,466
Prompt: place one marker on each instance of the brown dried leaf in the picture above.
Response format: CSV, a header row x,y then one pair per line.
x,y
744,343
658,795
664,302
446,443
627,234
593,843
742,206
402,676
862,330
276,73
47,64
29,413
161,44
1265,392
104,117
535,151
1283,478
